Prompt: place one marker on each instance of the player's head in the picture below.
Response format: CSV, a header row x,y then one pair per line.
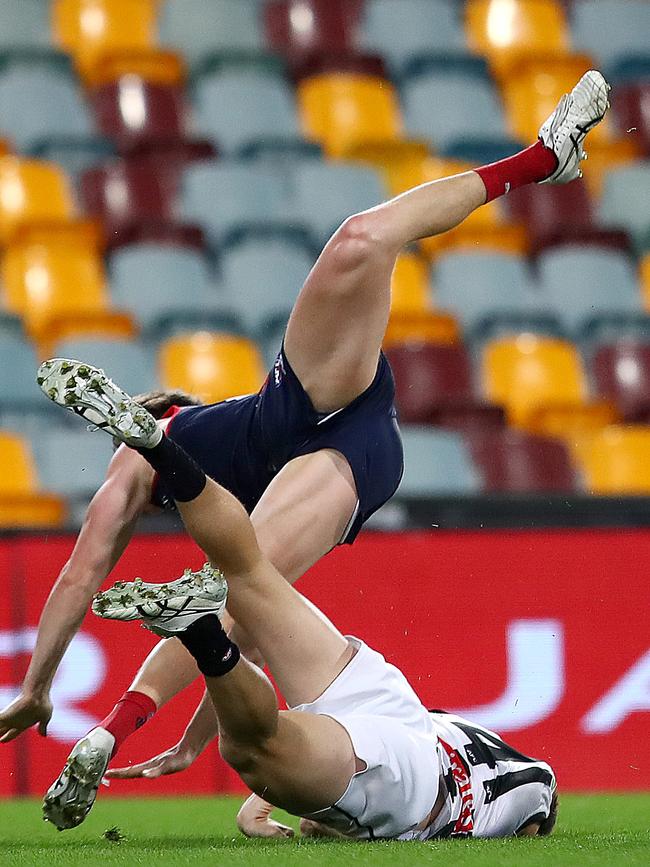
x,y
547,825
160,401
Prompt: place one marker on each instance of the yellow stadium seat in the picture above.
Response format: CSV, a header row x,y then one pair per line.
x,y
531,92
156,66
92,29
340,110
644,276
32,192
616,461
21,502
4,147
410,285
213,366
434,326
603,156
506,30
403,164
575,424
527,372
50,283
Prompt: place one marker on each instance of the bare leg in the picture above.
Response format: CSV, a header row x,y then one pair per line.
x,y
338,323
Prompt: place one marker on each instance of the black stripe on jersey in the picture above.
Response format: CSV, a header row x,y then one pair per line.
x,y
507,782
487,749
444,832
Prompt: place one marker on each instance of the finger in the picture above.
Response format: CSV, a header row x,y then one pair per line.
x,y
9,736
152,773
128,773
285,829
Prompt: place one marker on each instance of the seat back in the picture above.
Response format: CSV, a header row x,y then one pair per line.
x,y
24,24
18,374
71,462
17,468
616,461
528,371
32,192
436,463
625,198
301,27
341,110
132,110
210,365
410,288
127,191
550,209
198,28
621,372
611,30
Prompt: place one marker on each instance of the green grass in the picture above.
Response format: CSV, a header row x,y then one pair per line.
x,y
593,830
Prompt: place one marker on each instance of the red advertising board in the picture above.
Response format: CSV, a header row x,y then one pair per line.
x,y
543,636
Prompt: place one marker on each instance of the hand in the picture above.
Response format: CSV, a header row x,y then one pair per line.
x,y
172,761
254,820
24,712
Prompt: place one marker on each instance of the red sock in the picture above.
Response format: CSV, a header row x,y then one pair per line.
x,y
535,163
130,713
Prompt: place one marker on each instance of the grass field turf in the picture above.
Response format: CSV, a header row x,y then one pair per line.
x,y
592,830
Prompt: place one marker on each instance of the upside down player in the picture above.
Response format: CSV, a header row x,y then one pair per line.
x,y
357,753
317,451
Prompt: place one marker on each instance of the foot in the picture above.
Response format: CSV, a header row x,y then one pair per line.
x,y
565,130
88,392
71,797
165,609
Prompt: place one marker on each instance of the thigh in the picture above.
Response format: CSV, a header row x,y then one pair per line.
x,y
305,767
338,323
305,511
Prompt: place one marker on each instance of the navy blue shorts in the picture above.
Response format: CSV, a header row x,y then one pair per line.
x,y
243,443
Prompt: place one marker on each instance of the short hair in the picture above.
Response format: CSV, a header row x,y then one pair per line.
x,y
547,825
160,401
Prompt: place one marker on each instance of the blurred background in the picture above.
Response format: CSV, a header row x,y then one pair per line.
x,y
170,170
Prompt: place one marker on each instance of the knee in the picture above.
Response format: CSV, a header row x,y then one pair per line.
x,y
358,240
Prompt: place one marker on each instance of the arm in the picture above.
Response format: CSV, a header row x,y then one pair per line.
x,y
106,531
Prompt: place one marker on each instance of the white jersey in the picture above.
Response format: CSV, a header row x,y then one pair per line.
x,y
492,790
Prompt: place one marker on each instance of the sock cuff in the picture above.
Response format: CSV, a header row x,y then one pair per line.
x,y
144,702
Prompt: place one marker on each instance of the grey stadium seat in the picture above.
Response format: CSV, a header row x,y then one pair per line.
x,y
25,24
581,283
224,196
72,463
198,28
154,281
449,107
475,286
436,462
324,194
129,363
262,278
624,202
611,30
239,107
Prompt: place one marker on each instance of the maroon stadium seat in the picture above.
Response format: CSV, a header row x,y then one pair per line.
x,y
513,461
621,372
632,111
546,209
434,386
611,239
130,110
297,28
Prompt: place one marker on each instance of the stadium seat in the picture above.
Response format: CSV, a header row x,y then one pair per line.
x,y
127,191
156,281
224,197
38,102
92,29
47,281
32,193
574,424
25,25
72,463
132,111
211,366
480,286
644,277
421,326
504,32
616,461
22,503
182,235
403,164
74,155
436,463
621,372
18,365
325,194
583,283
343,110
624,203
603,157
410,289
611,30
434,385
516,462
130,363
199,28
262,279
550,209
631,105
299,28
527,372
400,31
237,107
449,106
533,89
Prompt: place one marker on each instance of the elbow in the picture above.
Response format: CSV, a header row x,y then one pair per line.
x,y
361,239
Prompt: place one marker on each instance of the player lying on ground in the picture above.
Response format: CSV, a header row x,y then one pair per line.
x,y
358,753
306,471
